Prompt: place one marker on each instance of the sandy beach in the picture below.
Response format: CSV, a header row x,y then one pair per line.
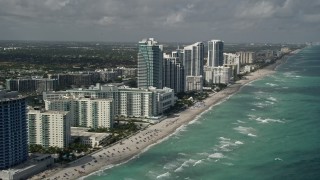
x,y
134,145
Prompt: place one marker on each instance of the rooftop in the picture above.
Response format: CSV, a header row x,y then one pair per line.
x,y
80,131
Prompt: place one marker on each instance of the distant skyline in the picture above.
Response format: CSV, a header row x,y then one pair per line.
x,y
234,21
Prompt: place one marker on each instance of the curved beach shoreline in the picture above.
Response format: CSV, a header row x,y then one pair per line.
x,y
131,147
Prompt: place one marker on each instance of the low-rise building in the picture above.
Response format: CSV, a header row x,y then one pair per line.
x,y
32,85
194,83
248,68
92,139
35,165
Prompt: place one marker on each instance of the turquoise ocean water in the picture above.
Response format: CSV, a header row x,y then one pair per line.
x,y
269,130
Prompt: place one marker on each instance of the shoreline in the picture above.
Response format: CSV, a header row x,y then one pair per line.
x,y
133,146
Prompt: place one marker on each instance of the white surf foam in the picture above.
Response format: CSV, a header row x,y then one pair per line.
x,y
179,169
164,175
251,117
252,135
239,142
268,120
186,163
182,154
195,121
257,97
259,92
242,122
170,165
203,154
271,84
245,130
180,130
216,156
260,105
272,99
269,102
226,144
224,139
198,162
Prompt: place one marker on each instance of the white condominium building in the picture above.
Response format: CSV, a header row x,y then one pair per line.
x,y
85,112
49,128
246,57
128,102
231,59
193,57
194,83
217,75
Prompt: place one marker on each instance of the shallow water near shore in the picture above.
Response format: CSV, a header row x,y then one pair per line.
x,y
268,130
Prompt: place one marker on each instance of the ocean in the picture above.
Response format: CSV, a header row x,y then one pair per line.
x,y
270,129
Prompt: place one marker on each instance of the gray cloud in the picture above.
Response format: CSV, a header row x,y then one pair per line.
x,y
166,20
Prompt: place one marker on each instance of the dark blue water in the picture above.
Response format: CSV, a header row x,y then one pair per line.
x,y
269,130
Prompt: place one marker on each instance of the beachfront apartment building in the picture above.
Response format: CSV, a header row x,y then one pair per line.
x,y
246,57
85,112
231,59
193,59
215,53
127,102
150,57
49,128
194,83
217,75
13,130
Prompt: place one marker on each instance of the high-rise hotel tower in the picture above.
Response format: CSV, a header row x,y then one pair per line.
x,y
13,130
215,53
193,57
150,57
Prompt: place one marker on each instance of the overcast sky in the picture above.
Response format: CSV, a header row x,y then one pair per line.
x,y
165,20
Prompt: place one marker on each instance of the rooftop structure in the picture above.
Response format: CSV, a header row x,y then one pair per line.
x,y
89,138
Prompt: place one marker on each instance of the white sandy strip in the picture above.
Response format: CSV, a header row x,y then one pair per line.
x,y
134,145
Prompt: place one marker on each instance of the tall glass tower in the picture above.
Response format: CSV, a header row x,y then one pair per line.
x,y
215,53
193,57
150,57
13,130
